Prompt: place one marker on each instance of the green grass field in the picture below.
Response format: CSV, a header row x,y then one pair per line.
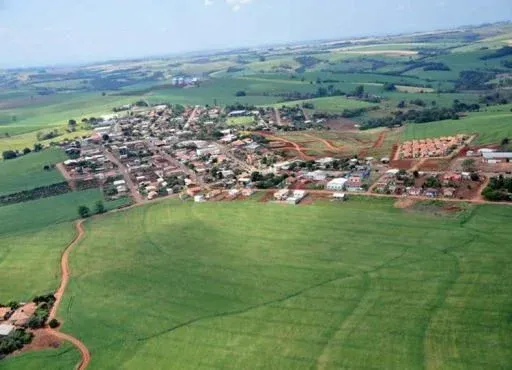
x,y
240,121
64,358
27,172
33,235
491,127
249,285
330,104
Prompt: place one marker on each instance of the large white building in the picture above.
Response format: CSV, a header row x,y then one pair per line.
x,y
336,184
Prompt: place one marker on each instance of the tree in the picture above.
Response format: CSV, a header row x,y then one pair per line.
x,y
468,165
100,207
54,323
359,91
26,151
9,154
71,123
84,211
505,141
241,93
388,86
38,147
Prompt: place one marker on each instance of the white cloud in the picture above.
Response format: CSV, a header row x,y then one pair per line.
x,y
236,5
208,3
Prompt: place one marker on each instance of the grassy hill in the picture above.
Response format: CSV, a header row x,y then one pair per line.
x,y
236,285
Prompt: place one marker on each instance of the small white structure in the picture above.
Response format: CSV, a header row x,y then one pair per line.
x,y
199,199
6,329
152,195
281,194
296,197
339,196
497,157
119,182
336,184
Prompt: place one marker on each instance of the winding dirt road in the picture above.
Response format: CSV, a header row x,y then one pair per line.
x,y
325,142
65,271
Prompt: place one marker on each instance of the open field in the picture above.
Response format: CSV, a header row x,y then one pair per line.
x,y
240,121
334,104
27,172
384,288
491,127
33,236
64,358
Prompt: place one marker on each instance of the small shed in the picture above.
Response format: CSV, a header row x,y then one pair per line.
x,y
6,329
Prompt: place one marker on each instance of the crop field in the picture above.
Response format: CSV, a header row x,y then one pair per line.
x,y
240,121
334,104
491,127
33,236
64,358
27,172
357,285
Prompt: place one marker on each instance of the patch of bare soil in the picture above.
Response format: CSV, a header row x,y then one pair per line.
x,y
341,124
43,339
403,203
402,164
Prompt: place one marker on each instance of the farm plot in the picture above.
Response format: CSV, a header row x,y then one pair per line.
x,y
355,285
28,172
491,127
33,235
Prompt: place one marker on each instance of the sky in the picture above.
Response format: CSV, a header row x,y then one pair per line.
x,y
39,32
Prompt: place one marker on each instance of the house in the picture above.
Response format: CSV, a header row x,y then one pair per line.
x,y
281,194
431,192
336,184
384,160
296,197
317,175
449,192
193,191
414,192
237,113
324,162
452,177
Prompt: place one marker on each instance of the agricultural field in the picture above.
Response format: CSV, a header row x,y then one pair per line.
x,y
240,121
334,104
33,236
64,358
384,288
27,172
491,127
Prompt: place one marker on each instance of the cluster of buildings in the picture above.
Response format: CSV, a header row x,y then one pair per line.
x,y
491,156
430,185
432,147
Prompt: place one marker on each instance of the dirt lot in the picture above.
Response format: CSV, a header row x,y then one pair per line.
x,y
435,165
43,339
341,124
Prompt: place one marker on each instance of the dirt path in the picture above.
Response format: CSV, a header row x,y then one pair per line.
x,y
478,197
65,271
380,140
325,142
296,146
64,172
278,116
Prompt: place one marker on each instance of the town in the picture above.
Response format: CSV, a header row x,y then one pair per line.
x,y
212,153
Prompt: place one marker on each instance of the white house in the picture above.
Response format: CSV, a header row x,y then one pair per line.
x,y
336,184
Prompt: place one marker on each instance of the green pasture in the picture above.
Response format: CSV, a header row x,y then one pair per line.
x,y
64,358
238,285
491,127
240,121
329,104
33,235
27,172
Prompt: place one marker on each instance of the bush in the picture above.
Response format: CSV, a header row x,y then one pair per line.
x,y
54,323
84,211
9,154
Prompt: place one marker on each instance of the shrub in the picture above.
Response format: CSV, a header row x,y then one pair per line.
x,y
54,323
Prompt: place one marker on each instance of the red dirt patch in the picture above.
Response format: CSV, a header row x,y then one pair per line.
x,y
341,124
43,339
404,164
380,140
